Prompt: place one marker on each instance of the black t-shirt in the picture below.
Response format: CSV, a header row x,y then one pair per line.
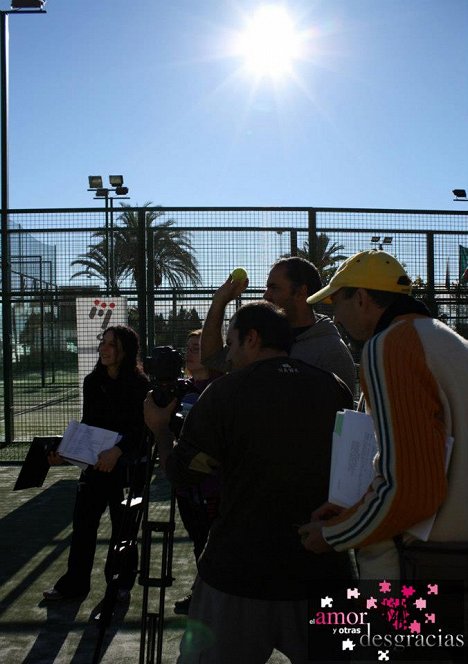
x,y
269,429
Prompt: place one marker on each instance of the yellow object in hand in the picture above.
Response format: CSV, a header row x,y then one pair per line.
x,y
239,274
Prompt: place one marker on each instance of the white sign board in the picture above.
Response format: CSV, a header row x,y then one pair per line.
x,y
93,317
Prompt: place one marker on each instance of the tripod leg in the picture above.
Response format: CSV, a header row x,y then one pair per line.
x,y
166,575
123,546
152,624
147,633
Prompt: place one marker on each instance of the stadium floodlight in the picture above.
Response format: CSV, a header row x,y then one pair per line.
x,y
116,180
95,181
27,4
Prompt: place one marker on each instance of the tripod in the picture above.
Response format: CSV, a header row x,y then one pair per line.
x,y
152,623
135,513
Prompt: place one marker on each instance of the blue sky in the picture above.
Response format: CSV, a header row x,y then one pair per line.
x,y
374,114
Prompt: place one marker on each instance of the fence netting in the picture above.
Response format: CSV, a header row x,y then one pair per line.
x,y
164,265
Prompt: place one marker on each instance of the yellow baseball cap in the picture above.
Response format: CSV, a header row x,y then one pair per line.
x,y
371,269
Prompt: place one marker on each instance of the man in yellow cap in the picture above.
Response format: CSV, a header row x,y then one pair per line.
x,y
414,378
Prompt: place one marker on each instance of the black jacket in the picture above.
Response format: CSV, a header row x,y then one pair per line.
x,y
117,404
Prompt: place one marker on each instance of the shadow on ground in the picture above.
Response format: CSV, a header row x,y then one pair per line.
x,y
35,529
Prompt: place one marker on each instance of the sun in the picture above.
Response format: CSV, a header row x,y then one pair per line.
x,y
270,43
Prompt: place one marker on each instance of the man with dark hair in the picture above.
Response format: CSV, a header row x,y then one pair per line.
x,y
267,428
414,379
315,339
274,330
300,271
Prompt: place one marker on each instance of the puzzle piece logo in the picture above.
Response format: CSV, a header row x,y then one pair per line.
x,y
385,586
412,610
347,645
353,593
415,627
407,591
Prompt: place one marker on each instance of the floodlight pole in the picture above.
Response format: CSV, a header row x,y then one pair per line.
x,y
5,244
110,200
109,232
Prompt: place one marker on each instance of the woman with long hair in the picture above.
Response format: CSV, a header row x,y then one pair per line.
x,y
113,395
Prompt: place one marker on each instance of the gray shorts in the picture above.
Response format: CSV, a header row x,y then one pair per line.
x,y
227,629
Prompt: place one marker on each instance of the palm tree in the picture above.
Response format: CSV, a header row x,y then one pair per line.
x,y
323,255
172,254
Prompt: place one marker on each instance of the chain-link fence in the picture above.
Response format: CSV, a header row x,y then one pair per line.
x,y
166,263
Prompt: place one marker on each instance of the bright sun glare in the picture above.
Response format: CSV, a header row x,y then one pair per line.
x,y
270,43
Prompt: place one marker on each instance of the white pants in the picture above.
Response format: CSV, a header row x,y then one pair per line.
x,y
379,561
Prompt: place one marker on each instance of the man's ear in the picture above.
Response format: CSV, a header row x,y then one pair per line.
x,y
301,292
252,338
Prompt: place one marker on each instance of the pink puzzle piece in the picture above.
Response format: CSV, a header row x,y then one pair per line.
x,y
407,591
353,593
415,627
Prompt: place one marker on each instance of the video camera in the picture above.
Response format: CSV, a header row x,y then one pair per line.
x,y
164,368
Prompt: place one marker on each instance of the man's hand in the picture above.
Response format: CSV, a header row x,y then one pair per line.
x,y
157,419
312,538
326,511
228,291
108,459
212,338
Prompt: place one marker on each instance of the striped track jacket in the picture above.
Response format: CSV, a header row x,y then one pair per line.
x,y
414,376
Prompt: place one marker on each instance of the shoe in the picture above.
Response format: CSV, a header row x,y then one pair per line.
x,y
123,595
52,595
181,607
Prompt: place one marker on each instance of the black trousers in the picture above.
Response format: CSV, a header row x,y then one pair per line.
x,y
96,491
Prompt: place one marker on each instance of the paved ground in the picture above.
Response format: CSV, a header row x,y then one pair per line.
x,y
35,526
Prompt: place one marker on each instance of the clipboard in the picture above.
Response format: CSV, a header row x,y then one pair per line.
x,y
36,466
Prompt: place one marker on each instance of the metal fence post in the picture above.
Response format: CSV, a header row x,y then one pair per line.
x,y
312,235
6,266
431,300
141,285
150,288
293,243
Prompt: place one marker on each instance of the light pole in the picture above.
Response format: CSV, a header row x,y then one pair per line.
x,y
117,188
17,7
378,242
